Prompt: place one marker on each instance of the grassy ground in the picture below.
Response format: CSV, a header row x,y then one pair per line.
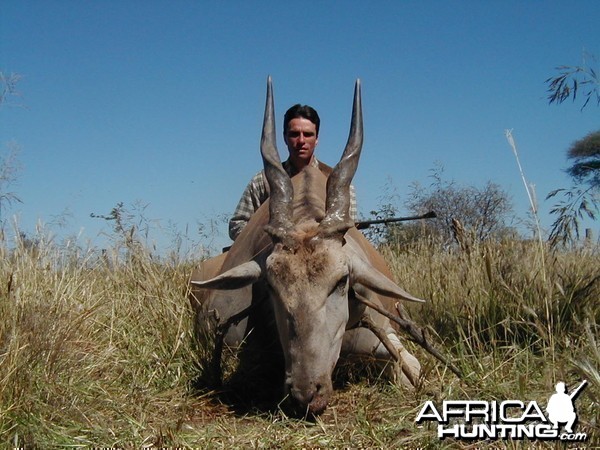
x,y
97,350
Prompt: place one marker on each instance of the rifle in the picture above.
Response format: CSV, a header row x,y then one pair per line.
x,y
574,394
367,223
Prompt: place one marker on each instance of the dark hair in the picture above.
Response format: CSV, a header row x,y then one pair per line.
x,y
301,111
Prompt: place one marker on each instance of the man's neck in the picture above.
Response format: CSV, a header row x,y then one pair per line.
x,y
300,164
295,166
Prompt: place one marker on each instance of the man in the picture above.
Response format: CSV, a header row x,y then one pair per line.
x,y
560,407
301,135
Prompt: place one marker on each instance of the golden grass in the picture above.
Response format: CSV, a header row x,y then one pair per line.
x,y
97,350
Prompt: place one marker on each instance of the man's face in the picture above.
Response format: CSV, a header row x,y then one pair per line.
x,y
301,140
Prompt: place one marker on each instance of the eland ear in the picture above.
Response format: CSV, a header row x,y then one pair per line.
x,y
371,278
235,278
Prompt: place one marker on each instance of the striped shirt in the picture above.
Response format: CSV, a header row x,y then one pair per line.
x,y
256,193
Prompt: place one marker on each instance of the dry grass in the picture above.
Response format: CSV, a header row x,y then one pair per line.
x,y
97,350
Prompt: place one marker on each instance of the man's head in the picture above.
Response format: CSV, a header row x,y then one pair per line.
x,y
299,111
560,387
301,133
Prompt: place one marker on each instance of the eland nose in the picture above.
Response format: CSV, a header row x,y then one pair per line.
x,y
304,394
310,396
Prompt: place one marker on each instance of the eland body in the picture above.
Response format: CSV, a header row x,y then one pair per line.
x,y
301,259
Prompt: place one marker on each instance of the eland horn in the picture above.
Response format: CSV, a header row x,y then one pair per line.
x,y
280,185
337,217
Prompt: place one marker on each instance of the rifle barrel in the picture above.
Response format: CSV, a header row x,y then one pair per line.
x,y
367,223
576,391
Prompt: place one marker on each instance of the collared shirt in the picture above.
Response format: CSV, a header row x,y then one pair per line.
x,y
256,193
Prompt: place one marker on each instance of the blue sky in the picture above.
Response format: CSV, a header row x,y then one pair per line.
x,y
160,102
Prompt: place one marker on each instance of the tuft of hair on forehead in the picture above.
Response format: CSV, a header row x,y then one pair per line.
x,y
304,260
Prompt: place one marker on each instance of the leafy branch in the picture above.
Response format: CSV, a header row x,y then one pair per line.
x,y
577,204
572,80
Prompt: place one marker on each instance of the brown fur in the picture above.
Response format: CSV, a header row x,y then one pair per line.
x,y
306,261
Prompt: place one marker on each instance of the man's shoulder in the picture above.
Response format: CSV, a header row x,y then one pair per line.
x,y
256,186
258,177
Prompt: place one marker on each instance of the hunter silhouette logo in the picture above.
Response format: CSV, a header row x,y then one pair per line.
x,y
508,419
560,406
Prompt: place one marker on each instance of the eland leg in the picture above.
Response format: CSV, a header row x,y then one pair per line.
x,y
384,345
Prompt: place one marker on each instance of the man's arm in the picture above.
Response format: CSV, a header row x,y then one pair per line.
x,y
254,195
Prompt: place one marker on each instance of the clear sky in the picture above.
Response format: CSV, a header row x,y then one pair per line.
x,y
160,102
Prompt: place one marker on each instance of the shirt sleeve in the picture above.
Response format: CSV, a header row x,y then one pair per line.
x,y
353,205
253,196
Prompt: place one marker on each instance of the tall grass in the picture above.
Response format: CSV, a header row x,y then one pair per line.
x,y
515,326
96,349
